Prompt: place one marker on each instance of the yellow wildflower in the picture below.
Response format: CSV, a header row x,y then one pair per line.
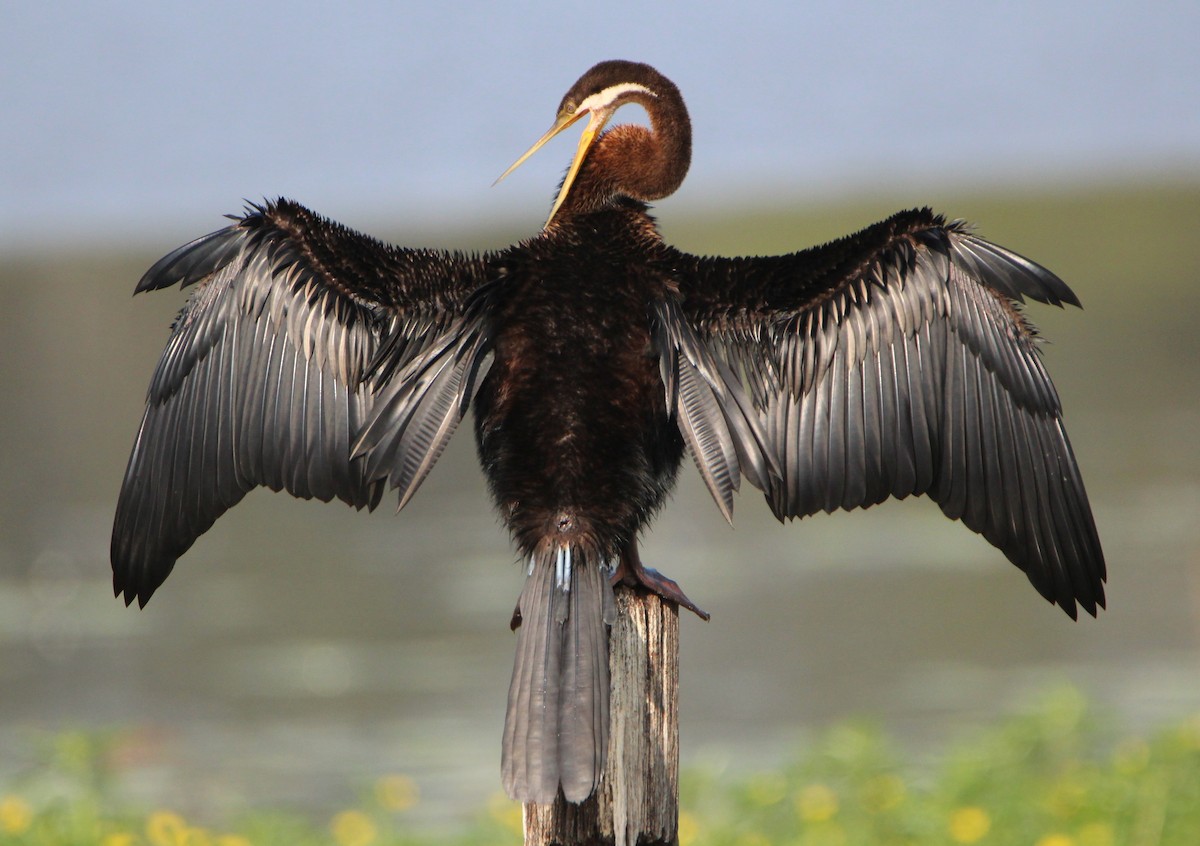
x,y
1055,840
233,840
397,792
118,838
688,828
816,803
969,824
165,828
353,828
506,812
15,815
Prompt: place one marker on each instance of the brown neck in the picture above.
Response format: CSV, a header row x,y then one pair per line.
x,y
635,162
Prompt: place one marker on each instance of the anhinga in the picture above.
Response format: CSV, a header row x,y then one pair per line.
x,y
892,362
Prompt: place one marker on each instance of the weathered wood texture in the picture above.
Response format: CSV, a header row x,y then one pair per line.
x,y
638,799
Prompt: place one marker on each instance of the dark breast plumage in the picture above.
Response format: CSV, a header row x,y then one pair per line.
x,y
590,434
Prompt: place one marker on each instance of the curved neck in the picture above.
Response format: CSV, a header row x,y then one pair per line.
x,y
635,162
659,158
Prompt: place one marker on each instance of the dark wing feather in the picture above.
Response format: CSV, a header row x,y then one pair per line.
x,y
715,417
309,359
896,362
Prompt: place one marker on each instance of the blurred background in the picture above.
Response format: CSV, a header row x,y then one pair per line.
x,y
301,650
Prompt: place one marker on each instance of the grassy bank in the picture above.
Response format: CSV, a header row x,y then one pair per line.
x,y
1055,776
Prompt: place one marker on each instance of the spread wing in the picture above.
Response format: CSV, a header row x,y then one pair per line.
x,y
893,362
309,358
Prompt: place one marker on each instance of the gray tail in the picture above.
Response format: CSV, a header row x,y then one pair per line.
x,y
556,728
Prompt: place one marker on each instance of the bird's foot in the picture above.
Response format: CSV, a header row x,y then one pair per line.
x,y
631,571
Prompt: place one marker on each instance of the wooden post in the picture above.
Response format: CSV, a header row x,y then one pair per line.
x,y
638,799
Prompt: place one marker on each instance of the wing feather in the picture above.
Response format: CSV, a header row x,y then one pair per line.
x,y
716,418
897,362
298,337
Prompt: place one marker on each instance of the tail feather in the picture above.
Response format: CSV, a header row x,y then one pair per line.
x,y
556,729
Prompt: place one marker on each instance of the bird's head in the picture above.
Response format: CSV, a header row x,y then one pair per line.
x,y
597,95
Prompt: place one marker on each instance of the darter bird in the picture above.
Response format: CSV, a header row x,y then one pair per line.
x,y
892,362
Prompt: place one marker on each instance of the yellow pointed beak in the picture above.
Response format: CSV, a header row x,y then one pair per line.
x,y
585,141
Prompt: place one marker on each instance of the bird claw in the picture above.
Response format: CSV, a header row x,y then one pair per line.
x,y
632,572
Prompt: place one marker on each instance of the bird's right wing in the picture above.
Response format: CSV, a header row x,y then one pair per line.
x,y
309,358
890,363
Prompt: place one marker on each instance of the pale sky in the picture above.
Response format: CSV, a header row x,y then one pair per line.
x,y
141,122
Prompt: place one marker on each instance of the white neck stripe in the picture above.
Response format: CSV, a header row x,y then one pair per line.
x,y
604,99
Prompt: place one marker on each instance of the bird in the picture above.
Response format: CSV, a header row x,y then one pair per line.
x,y
893,362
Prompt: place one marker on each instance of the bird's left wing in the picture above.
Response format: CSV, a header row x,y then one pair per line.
x,y
890,363
309,358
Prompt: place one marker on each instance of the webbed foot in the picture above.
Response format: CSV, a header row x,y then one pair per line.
x,y
631,571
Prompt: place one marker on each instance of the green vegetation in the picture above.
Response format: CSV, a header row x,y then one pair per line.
x,y
1051,777
1046,778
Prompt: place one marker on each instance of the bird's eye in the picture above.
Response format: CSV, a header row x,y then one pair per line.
x,y
569,107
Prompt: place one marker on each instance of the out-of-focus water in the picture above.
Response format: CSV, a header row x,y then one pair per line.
x,y
300,649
